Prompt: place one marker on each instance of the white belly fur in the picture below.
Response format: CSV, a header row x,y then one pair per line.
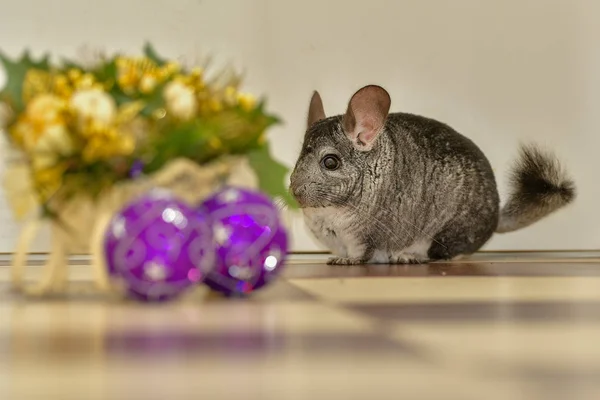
x,y
322,221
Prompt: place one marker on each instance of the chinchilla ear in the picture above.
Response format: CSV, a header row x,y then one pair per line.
x,y
366,115
315,110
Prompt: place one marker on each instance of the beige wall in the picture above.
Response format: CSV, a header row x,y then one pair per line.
x,y
498,71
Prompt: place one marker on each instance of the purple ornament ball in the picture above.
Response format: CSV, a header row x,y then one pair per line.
x,y
159,246
251,242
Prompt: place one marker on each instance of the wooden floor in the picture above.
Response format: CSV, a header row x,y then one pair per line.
x,y
499,326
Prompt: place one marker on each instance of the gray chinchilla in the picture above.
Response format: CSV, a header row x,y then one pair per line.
x,y
377,187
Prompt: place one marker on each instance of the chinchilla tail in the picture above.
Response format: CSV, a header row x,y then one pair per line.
x,y
539,187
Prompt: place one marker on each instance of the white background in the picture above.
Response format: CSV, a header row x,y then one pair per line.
x,y
500,72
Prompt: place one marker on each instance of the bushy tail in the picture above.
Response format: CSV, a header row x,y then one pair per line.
x,y
540,186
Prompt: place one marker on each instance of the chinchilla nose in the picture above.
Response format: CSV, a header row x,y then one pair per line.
x,y
299,190
295,187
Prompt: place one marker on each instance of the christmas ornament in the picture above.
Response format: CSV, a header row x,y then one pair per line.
x,y
251,241
159,246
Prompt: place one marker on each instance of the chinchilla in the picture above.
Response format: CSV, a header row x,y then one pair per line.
x,y
380,187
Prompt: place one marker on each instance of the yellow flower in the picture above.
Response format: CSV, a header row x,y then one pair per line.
x,y
128,112
47,181
167,71
171,68
42,131
230,95
197,71
127,74
148,83
246,101
93,106
142,74
20,132
180,100
54,143
44,147
87,81
74,74
35,83
45,109
42,127
117,138
62,87
108,143
215,105
195,79
105,142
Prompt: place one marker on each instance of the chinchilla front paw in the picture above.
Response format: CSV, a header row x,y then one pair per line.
x,y
406,259
345,261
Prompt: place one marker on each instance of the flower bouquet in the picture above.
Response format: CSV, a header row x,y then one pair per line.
x,y
85,139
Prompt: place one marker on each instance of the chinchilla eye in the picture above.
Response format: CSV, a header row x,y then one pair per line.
x,y
331,162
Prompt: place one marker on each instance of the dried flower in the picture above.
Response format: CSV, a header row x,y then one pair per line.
x,y
180,100
93,105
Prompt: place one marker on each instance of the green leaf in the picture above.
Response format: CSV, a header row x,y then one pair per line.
x,y
68,64
181,140
153,55
271,175
15,76
120,97
154,100
107,71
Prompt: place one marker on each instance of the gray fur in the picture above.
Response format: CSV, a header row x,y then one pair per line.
x,y
419,192
539,187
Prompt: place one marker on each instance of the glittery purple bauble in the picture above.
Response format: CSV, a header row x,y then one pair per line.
x,y
159,246
251,241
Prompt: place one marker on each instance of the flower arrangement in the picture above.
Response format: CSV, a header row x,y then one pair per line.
x,y
80,130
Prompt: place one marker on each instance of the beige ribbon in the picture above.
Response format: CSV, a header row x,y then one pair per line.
x,y
55,270
28,234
